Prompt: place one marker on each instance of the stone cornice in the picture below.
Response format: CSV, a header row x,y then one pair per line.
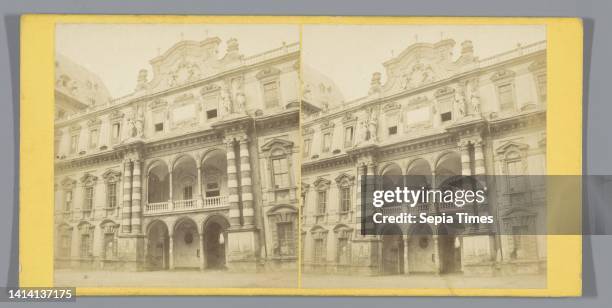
x,y
185,87
425,88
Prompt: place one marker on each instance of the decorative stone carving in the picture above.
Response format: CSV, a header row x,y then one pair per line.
x,y
502,74
226,101
88,179
94,122
375,85
141,82
240,102
111,176
184,72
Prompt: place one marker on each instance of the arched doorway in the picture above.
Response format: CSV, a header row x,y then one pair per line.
x,y
158,256
392,251
421,250
186,241
215,241
184,183
449,247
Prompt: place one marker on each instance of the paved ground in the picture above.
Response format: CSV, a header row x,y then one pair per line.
x,y
423,281
224,279
182,279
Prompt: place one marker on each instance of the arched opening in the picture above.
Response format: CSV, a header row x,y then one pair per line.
x,y
421,250
214,179
449,247
184,183
392,178
158,256
448,166
186,241
418,175
215,241
392,251
157,182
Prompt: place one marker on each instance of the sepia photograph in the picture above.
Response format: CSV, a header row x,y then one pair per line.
x,y
177,154
429,102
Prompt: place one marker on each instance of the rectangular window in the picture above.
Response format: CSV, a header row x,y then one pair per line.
x,y
211,114
345,199
187,192
270,91
319,250
159,127
109,246
392,130
94,135
116,132
307,145
280,170
212,190
445,108
112,195
326,142
286,245
506,97
74,143
68,201
348,136
447,116
85,245
516,177
321,202
343,251
88,205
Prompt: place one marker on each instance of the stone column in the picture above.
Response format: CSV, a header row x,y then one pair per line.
x,y
466,169
436,254
136,198
202,256
170,198
245,183
479,162
171,249
232,183
361,171
406,258
127,197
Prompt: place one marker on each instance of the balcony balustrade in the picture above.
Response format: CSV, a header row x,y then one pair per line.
x,y
188,205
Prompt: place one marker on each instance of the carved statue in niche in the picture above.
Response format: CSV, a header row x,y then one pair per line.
x,y
363,131
226,101
373,124
140,122
460,100
474,97
240,102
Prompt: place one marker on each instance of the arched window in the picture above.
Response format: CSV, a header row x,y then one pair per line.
x,y
89,184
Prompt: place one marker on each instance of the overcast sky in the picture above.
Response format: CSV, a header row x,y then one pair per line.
x,y
116,52
350,54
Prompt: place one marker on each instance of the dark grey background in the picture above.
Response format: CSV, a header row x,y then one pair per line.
x,y
597,250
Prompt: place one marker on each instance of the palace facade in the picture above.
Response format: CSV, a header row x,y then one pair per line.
x,y
196,168
435,117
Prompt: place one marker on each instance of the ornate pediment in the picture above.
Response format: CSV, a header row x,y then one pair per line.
x,y
392,106
185,62
94,122
158,104
510,145
88,179
345,179
444,91
420,64
502,74
115,115
268,72
327,125
285,144
349,117
211,87
307,131
68,183
321,183
76,128
111,176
